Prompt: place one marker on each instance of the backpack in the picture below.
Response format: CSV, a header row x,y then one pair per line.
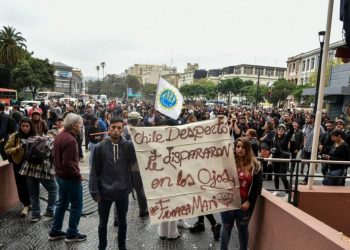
x,y
37,149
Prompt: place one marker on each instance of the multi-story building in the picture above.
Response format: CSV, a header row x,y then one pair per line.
x,y
172,78
300,67
149,73
191,73
337,92
246,72
68,80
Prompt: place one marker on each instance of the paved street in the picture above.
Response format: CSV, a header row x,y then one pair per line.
x,y
17,233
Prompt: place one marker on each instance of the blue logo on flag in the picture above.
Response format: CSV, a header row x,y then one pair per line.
x,y
168,99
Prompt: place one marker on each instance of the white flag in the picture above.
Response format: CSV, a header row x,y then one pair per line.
x,y
168,99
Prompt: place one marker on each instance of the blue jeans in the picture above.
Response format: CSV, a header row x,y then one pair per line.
x,y
34,190
329,181
242,220
69,191
104,207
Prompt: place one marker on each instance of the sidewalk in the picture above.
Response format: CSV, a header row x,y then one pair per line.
x,y
19,233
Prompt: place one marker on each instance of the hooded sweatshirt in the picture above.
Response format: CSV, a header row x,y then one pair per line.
x,y
110,174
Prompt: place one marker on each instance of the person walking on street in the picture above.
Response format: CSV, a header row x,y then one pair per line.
x,y
70,192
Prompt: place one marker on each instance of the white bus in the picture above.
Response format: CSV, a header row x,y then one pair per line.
x,y
46,96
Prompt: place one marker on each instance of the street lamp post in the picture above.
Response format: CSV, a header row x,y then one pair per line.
x,y
321,36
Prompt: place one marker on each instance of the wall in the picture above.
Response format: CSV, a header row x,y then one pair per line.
x,y
8,189
276,224
328,204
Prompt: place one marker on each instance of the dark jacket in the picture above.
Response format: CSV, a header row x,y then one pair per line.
x,y
110,173
256,186
298,141
66,156
280,144
340,153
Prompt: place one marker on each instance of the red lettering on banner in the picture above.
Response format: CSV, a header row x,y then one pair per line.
x,y
183,181
158,182
152,165
211,179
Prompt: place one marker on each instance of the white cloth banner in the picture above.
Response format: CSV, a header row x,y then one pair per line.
x,y
168,99
187,170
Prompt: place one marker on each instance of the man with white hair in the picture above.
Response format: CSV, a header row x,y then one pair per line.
x,y
66,161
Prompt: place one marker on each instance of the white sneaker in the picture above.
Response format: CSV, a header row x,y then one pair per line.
x,y
183,224
276,193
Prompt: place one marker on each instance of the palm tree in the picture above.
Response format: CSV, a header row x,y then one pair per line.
x,y
98,72
12,46
103,64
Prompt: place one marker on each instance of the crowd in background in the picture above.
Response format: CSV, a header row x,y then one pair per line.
x,y
271,133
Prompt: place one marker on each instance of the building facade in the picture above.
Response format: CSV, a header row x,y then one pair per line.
x,y
68,80
300,67
337,92
265,74
149,73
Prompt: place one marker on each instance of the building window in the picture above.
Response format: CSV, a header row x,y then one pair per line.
x,y
308,64
312,63
269,72
302,81
280,73
306,80
293,67
237,71
303,65
248,71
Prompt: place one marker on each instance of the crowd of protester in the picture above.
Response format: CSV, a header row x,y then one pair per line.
x,y
270,133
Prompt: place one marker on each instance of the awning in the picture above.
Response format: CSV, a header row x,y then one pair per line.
x,y
340,90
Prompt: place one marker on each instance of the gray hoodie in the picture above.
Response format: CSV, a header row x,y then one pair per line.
x,y
110,174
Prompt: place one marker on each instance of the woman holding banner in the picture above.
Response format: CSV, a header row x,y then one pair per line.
x,y
250,180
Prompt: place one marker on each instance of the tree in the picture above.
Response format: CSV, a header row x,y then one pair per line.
x,y
281,89
35,74
231,87
250,93
12,49
193,91
134,83
298,91
149,89
12,46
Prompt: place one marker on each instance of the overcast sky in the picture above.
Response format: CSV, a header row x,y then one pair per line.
x,y
83,33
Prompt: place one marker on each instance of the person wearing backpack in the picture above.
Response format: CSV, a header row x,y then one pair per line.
x,y
15,151
38,169
110,180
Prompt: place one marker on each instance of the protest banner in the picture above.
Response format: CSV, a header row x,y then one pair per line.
x,y
187,170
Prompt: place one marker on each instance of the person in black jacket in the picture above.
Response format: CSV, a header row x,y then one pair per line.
x,y
250,180
339,152
296,143
280,150
251,135
326,144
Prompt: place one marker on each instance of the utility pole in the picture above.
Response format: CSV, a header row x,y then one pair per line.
x,y
257,89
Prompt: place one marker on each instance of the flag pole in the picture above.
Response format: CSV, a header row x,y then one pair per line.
x,y
323,69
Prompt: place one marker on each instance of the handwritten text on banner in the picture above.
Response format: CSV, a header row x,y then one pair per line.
x,y
187,170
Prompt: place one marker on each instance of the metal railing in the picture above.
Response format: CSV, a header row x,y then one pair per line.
x,y
294,166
